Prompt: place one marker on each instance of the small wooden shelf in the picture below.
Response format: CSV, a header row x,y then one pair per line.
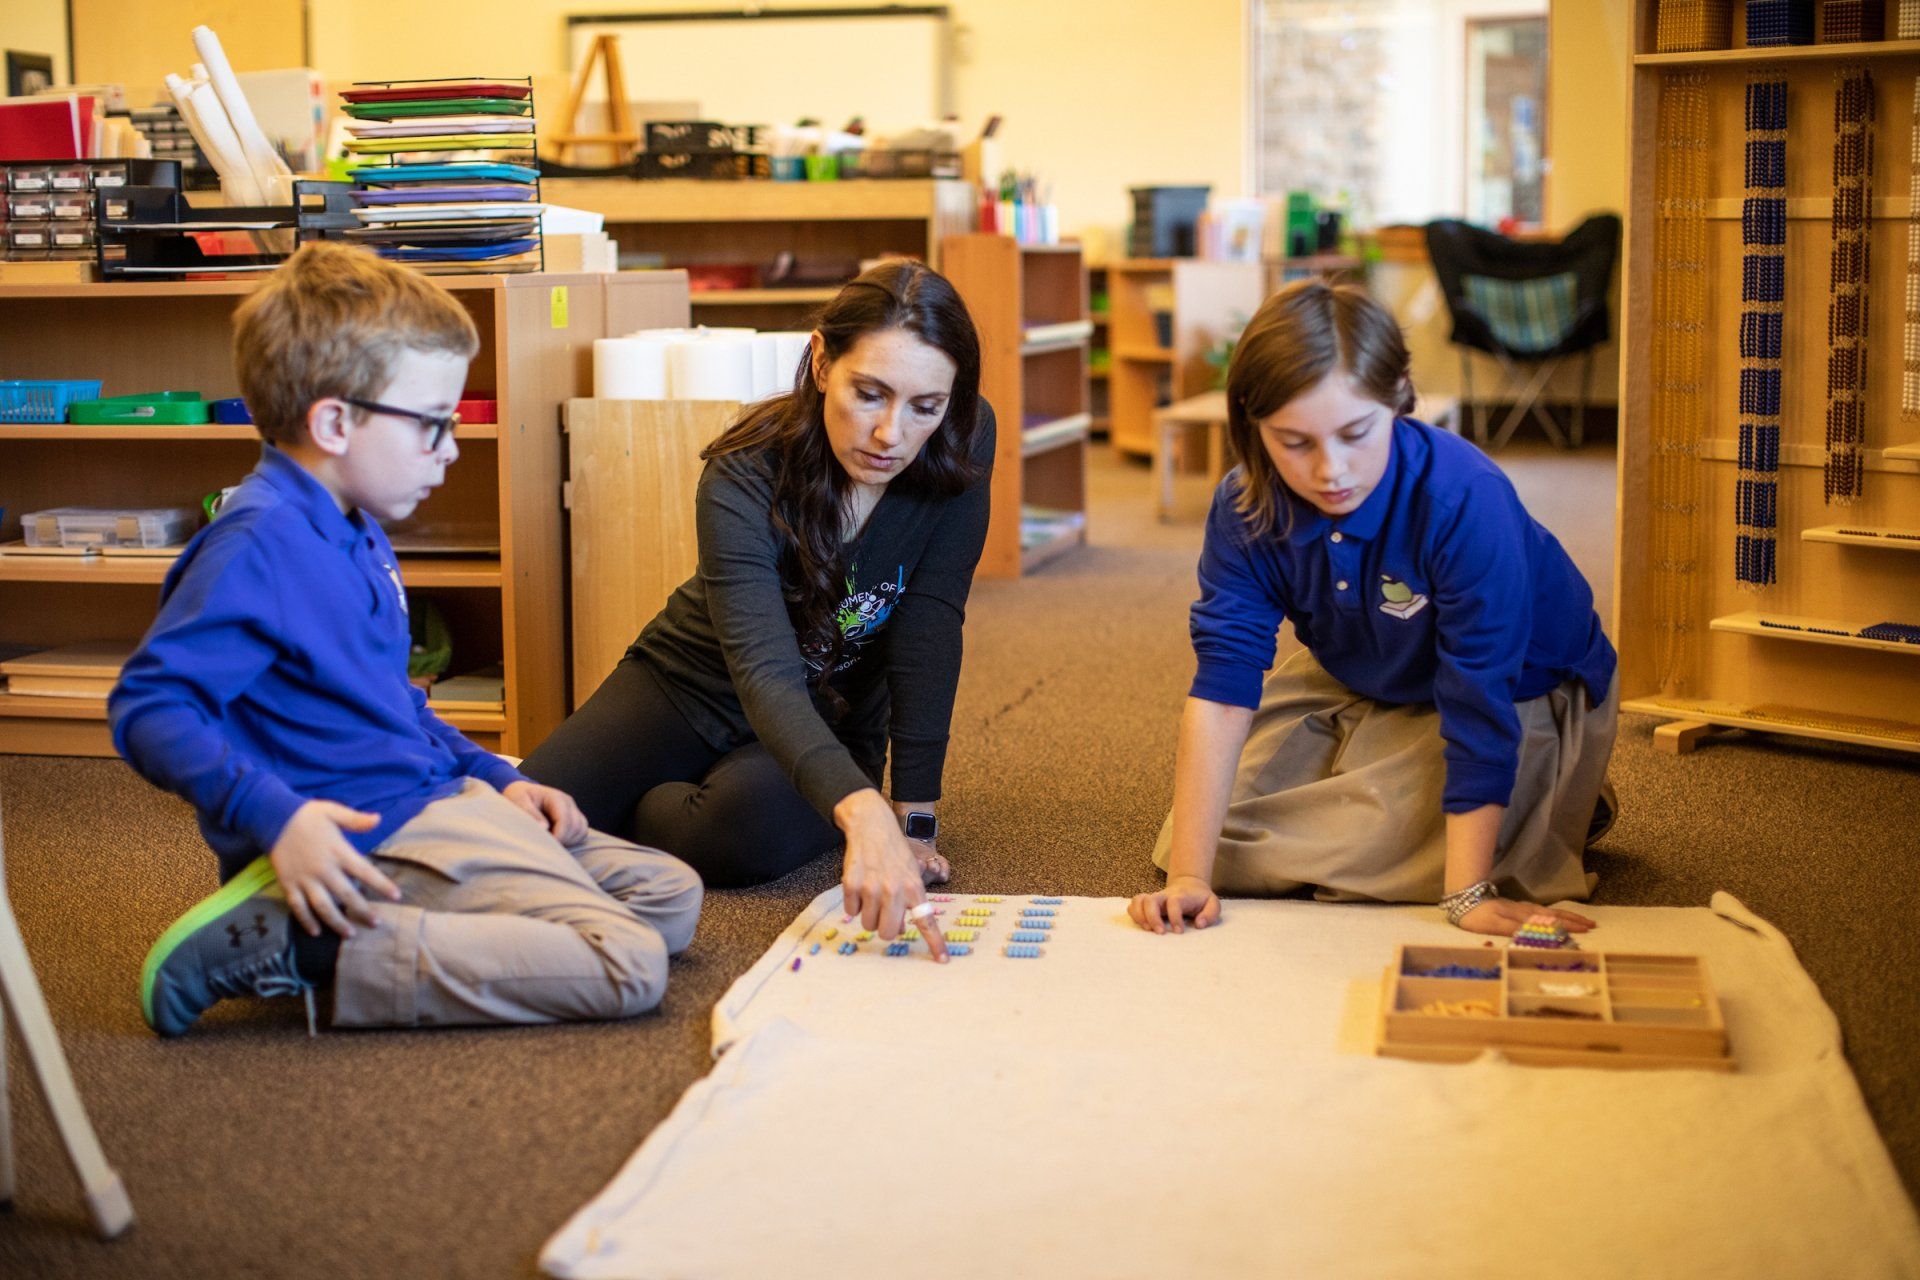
x,y
1863,731
1791,627
1030,304
1858,536
64,431
1902,453
104,570
1040,437
1900,460
1155,355
93,711
108,289
1036,554
763,297
1770,54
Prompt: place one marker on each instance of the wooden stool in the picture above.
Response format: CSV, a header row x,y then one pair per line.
x,y
106,1195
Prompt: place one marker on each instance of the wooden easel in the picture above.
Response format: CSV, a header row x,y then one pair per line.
x,y
620,135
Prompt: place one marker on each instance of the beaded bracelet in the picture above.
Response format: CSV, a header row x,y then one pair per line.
x,y
1457,905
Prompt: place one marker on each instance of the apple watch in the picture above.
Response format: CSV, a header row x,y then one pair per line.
x,y
922,826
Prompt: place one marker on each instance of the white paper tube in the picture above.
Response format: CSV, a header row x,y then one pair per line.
x,y
629,369
202,111
766,366
789,350
261,157
711,369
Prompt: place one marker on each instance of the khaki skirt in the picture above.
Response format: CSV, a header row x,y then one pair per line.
x,y
1341,794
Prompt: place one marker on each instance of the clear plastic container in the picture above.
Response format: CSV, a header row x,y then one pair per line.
x,y
108,527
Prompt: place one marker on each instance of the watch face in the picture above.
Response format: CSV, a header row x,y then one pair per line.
x,y
922,826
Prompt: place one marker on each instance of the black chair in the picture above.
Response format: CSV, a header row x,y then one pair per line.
x,y
1526,303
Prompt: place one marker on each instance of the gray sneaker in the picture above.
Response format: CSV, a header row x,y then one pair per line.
x,y
237,941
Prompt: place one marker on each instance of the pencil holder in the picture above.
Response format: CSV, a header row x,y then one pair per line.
x,y
823,168
789,168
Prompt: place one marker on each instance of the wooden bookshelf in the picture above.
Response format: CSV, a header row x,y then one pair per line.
x,y
1727,669
1029,303
507,606
751,223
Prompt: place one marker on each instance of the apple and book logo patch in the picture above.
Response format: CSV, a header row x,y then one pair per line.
x,y
1398,600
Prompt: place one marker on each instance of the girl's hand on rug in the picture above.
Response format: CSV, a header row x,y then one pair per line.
x,y
1500,917
1184,896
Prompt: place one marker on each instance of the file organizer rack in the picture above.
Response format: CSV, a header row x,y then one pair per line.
x,y
453,245
153,233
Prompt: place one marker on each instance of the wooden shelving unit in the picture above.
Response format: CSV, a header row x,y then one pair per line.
x,y
1030,304
1100,353
536,345
696,224
1693,649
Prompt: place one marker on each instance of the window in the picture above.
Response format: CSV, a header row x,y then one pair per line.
x,y
1506,124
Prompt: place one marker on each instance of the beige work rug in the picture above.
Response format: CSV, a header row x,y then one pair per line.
x,y
1129,1105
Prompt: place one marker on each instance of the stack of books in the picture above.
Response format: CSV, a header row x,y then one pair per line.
x,y
87,671
445,175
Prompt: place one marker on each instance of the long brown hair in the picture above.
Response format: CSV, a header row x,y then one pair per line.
x,y
1300,334
810,487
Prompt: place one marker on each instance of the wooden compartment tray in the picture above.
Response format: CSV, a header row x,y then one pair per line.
x,y
1552,1008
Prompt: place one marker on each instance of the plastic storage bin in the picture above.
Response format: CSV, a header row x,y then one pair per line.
x,y
157,408
30,401
108,527
232,410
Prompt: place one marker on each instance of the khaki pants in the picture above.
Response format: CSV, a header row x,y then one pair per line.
x,y
1341,793
499,923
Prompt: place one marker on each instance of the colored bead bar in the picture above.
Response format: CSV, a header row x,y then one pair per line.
x,y
959,949
980,899
848,948
1024,935
1046,902
1029,923
1543,931
814,950
898,948
1035,911
962,935
1023,953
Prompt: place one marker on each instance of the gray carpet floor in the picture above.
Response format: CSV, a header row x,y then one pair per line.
x,y
252,1151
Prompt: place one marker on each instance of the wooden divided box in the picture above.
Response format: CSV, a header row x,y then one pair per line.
x,y
1552,1008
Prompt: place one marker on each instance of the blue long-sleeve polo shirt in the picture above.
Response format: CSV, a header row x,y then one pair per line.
x,y
1438,588
276,673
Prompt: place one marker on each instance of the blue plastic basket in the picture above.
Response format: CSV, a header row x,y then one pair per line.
x,y
232,410
22,401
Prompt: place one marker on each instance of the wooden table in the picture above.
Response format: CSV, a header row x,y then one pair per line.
x,y
1209,410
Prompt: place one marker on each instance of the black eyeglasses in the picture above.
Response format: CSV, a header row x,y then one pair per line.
x,y
437,425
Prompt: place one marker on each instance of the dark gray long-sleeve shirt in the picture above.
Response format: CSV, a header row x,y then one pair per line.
x,y
729,657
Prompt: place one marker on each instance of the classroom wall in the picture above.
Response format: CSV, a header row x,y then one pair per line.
x,y
1587,59
35,26
1097,94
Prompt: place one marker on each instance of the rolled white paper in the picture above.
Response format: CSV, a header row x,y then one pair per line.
x,y
260,155
789,350
629,369
205,117
766,366
711,368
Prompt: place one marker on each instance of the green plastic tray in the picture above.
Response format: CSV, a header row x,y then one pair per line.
x,y
158,408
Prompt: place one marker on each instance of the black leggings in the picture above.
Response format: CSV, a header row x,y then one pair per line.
x,y
638,769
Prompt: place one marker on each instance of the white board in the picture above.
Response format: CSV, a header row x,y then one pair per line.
x,y
773,67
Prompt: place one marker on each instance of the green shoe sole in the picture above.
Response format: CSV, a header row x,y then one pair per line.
x,y
256,876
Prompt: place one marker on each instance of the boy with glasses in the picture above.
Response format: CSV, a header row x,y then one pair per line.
x,y
365,845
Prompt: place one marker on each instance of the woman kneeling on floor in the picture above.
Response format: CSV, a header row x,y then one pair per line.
x,y
839,526
1445,732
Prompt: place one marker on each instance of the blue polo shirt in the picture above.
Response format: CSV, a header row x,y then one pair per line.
x,y
276,673
1439,588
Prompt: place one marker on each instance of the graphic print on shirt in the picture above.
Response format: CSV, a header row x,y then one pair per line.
x,y
1398,600
860,616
